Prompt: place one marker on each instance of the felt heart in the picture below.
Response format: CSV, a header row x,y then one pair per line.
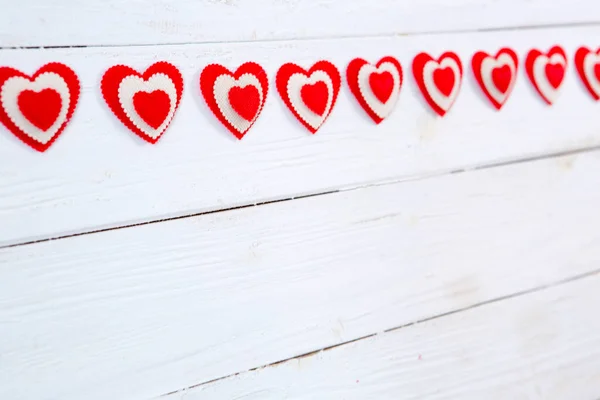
x,y
37,109
587,64
382,85
40,108
501,76
144,102
375,87
152,107
546,72
444,80
236,98
245,101
496,75
309,95
555,74
439,80
315,97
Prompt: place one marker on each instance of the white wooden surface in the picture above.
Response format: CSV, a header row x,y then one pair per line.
x,y
483,353
485,282
133,22
99,175
143,311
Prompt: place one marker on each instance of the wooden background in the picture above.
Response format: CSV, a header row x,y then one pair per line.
x,y
424,258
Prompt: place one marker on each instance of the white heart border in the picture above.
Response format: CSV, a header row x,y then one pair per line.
x,y
221,87
132,84
12,88
442,101
295,84
382,110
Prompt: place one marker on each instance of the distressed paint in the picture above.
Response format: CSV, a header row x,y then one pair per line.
x,y
139,312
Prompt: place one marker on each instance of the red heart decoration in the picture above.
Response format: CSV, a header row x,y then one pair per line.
x,y
42,117
496,75
245,101
501,76
375,87
444,80
444,73
555,74
315,97
37,109
382,85
152,107
546,72
587,64
144,102
309,95
236,98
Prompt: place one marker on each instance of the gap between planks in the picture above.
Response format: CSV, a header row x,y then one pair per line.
x,y
315,38
396,328
434,174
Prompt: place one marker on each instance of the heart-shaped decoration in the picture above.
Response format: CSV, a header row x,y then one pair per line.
x,y
144,102
37,109
587,64
310,95
376,87
439,80
236,98
546,72
496,75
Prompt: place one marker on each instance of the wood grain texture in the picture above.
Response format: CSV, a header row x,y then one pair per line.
x,y
127,22
99,175
139,312
542,346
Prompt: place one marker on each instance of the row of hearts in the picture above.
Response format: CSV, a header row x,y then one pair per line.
x,y
36,109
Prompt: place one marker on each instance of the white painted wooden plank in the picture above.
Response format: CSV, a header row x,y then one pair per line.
x,y
98,174
138,312
541,346
125,22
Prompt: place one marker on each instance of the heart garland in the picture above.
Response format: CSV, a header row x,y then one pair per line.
x,y
310,95
37,109
546,72
439,80
237,98
145,103
376,87
496,75
587,64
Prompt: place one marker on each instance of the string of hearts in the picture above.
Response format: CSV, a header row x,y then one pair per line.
x,y
37,108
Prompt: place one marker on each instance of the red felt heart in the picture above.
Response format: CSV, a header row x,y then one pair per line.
x,y
315,97
444,80
502,76
549,80
235,98
555,74
495,75
40,108
382,85
245,101
151,107
590,82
